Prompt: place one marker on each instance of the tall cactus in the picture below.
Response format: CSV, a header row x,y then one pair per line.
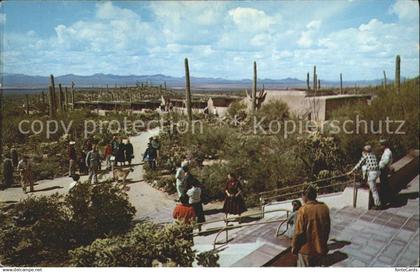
x,y
319,84
188,90
27,103
307,82
341,83
385,83
42,97
53,103
7,172
254,90
72,95
164,85
66,99
397,74
314,79
60,98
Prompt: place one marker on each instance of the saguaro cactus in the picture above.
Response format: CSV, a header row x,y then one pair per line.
x,y
51,101
72,95
60,98
384,80
164,85
27,103
7,172
319,84
66,98
188,90
43,97
397,74
53,105
314,79
307,82
254,90
341,83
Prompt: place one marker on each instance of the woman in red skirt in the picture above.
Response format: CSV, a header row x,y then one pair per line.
x,y
234,202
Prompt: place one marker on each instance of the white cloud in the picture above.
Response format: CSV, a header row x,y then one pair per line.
x,y
315,24
306,38
250,19
406,9
2,18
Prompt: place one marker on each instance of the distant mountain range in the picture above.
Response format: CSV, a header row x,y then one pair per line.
x,y
101,80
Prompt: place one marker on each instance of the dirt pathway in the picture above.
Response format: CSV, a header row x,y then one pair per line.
x,y
148,201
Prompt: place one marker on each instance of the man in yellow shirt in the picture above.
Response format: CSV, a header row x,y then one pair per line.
x,y
312,230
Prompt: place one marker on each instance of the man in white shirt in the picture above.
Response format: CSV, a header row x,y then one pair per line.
x,y
181,184
25,170
385,167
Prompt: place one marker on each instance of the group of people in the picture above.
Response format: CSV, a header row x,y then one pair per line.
x,y
371,170
310,224
190,193
118,151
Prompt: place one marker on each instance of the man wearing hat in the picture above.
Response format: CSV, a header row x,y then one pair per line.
x,y
312,230
385,167
372,170
72,158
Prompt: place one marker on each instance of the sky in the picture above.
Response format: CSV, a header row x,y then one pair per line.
x,y
358,38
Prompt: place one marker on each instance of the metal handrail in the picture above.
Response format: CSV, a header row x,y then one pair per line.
x,y
226,228
297,185
238,217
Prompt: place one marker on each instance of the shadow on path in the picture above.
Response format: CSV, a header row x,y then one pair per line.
x,y
48,189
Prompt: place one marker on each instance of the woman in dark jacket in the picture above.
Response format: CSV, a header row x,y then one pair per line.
x,y
234,202
121,153
129,150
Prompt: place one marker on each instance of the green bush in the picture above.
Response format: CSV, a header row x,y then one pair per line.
x,y
99,210
41,230
148,244
38,230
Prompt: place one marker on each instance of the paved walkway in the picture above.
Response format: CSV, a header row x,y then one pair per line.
x,y
148,201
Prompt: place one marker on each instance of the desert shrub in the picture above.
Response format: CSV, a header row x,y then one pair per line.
x,y
237,109
387,104
273,111
99,210
319,152
148,244
38,231
41,230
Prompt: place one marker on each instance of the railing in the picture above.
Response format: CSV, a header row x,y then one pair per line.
x,y
289,192
228,227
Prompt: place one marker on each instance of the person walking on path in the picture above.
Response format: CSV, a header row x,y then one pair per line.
x,y
194,194
181,184
93,161
312,230
83,170
25,170
121,153
184,212
72,158
129,152
234,202
385,168
150,156
372,170
115,148
107,156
